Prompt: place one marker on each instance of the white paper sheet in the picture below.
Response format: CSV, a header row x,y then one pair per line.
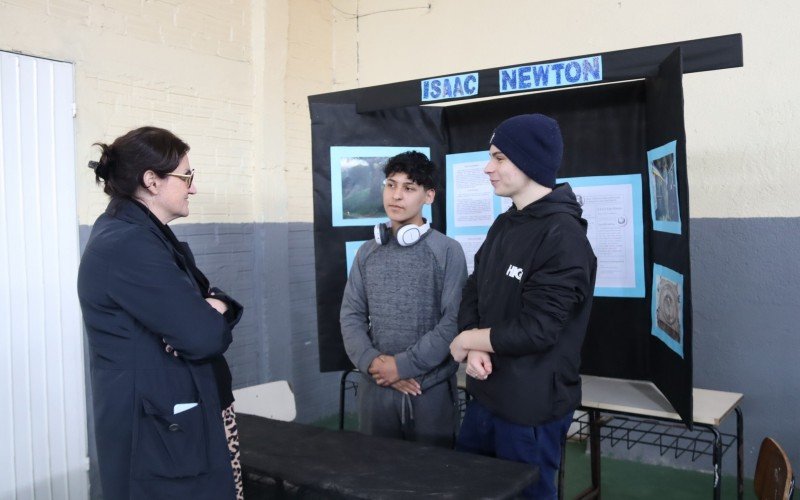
x,y
470,244
609,211
472,191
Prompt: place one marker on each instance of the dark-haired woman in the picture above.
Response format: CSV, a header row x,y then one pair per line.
x,y
157,330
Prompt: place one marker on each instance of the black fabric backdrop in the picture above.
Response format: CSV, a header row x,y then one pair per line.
x,y
607,130
604,134
340,125
670,373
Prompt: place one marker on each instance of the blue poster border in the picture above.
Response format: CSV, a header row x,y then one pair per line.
x,y
450,161
350,250
635,181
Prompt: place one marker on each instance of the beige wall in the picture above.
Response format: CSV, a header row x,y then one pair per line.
x,y
159,63
212,71
309,71
296,63
741,142
232,77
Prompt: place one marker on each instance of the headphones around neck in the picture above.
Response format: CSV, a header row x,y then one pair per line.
x,y
406,236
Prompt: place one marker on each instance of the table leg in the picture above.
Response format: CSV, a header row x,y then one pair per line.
x,y
594,436
594,456
739,454
341,398
717,462
561,467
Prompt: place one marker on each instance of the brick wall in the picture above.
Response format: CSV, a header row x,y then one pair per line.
x,y
181,65
231,78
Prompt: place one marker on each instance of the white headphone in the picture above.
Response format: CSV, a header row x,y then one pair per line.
x,y
406,236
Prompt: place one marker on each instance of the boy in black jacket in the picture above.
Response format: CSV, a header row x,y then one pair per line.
x,y
525,308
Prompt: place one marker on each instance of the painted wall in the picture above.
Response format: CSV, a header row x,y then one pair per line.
x,y
740,146
232,76
229,77
184,68
740,138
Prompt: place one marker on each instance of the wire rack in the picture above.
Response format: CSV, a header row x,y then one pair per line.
x,y
621,430
667,437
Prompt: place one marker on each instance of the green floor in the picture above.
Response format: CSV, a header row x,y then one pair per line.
x,y
623,479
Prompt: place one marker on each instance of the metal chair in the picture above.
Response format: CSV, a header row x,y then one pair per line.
x,y
273,400
774,479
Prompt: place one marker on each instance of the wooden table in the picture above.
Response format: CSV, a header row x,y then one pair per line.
x,y
347,464
642,399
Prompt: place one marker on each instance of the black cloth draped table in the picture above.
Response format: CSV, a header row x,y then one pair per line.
x,y
347,464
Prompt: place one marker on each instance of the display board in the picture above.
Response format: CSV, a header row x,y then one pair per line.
x,y
624,155
348,151
670,347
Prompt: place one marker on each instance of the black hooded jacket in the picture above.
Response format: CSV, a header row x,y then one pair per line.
x,y
533,285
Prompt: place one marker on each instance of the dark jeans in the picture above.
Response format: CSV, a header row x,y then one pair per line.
x,y
484,433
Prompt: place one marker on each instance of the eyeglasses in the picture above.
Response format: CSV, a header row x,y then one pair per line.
x,y
186,178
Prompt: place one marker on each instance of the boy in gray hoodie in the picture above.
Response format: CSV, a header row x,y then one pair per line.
x,y
399,313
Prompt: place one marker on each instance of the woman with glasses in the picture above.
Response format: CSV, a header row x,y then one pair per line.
x,y
161,389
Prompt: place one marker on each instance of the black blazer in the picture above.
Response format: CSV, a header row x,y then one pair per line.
x,y
136,293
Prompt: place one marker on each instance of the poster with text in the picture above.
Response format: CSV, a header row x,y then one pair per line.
x,y
612,206
471,205
470,243
357,183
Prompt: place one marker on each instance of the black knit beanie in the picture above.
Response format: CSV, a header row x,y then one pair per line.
x,y
533,143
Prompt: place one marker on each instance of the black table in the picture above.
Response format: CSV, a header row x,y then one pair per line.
x,y
352,465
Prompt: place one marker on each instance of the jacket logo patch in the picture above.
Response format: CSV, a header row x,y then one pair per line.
x,y
514,272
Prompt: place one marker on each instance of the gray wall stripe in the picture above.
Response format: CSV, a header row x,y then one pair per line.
x,y
744,275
